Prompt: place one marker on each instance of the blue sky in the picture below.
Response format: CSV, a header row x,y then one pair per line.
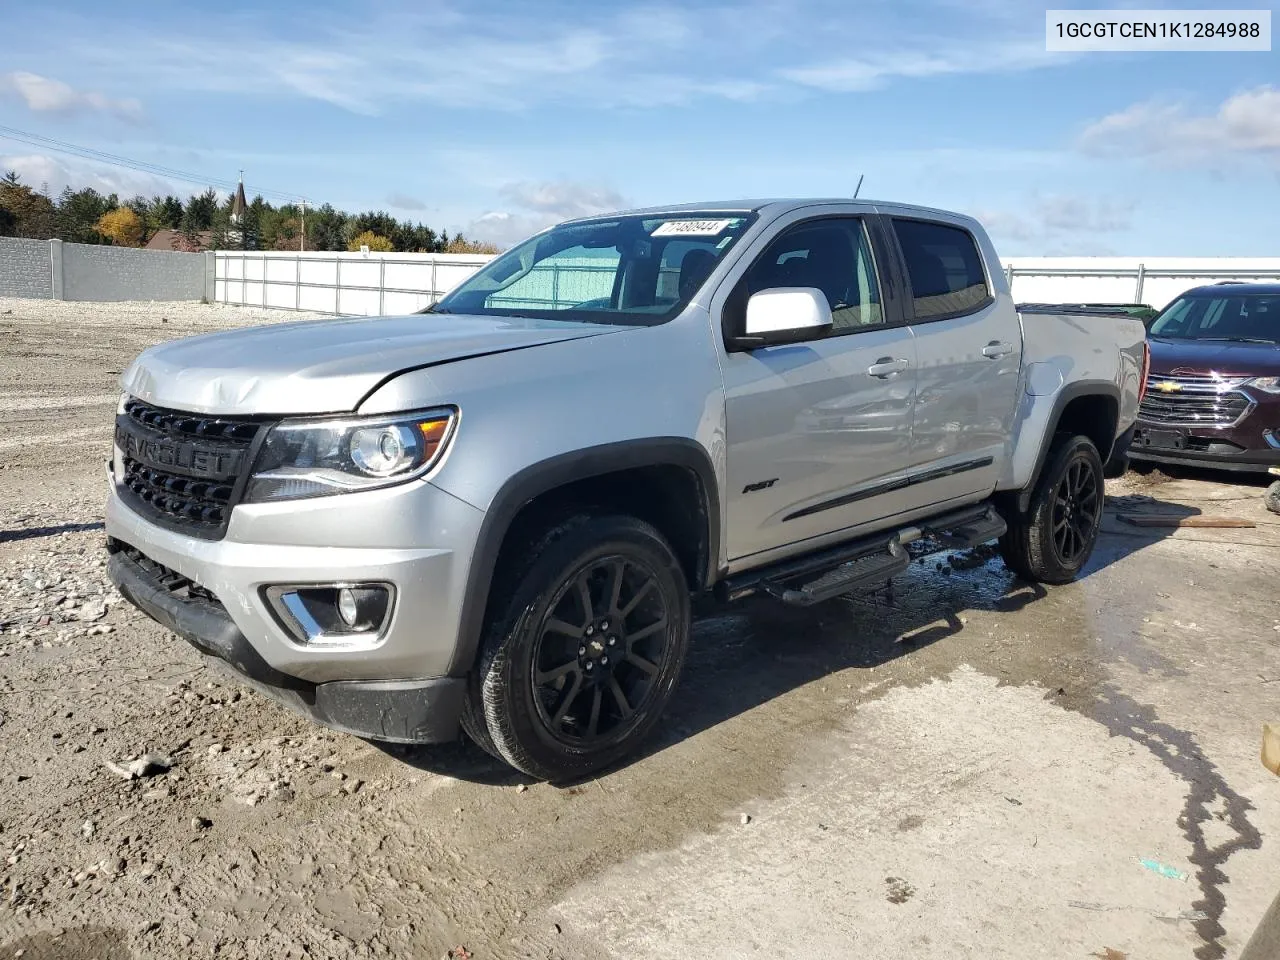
x,y
497,118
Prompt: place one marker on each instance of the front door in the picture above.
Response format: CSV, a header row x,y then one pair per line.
x,y
817,431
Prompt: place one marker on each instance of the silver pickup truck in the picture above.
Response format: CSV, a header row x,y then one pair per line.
x,y
492,516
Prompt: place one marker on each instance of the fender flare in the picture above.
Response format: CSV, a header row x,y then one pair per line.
x,y
546,475
1070,392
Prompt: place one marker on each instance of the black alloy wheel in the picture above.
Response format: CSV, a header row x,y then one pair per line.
x,y
602,644
1052,539
1076,512
582,647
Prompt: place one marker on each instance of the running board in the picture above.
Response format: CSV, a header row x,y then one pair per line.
x,y
989,526
865,573
864,564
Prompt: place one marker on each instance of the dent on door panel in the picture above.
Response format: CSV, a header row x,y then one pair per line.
x,y
808,425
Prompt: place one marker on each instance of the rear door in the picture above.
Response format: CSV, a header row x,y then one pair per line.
x,y
816,431
969,353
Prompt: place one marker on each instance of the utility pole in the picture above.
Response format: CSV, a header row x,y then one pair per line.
x,y
302,237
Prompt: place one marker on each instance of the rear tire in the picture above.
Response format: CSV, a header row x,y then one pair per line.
x,y
578,663
1053,540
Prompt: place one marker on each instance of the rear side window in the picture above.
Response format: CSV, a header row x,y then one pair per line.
x,y
945,269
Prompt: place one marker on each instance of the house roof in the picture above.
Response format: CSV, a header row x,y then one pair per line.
x,y
172,240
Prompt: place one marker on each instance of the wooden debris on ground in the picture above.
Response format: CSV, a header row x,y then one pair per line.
x,y
1184,520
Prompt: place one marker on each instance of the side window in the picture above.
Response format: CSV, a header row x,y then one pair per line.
x,y
576,277
944,266
833,255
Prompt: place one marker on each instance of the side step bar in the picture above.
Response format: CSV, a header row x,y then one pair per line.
x,y
867,572
864,564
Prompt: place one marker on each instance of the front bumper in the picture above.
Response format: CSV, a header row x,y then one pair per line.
x,y
1200,447
394,686
399,711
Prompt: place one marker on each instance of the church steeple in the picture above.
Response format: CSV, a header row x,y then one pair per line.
x,y
239,204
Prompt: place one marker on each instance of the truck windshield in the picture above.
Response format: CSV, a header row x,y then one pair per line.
x,y
638,270
1245,318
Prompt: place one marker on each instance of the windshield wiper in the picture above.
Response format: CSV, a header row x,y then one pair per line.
x,y
1242,340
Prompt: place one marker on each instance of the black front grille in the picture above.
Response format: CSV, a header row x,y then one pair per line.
x,y
1194,409
182,470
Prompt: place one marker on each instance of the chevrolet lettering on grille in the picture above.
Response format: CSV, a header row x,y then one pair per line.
x,y
189,458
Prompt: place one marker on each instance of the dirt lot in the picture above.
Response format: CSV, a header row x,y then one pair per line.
x,y
965,768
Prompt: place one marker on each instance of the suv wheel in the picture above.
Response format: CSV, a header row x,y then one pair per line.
x,y
580,661
1053,540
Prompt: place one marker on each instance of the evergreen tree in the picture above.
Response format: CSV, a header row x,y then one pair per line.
x,y
78,213
200,211
166,213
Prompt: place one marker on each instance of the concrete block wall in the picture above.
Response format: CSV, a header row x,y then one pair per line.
x,y
25,269
121,273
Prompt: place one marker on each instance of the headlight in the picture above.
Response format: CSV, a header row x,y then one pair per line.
x,y
316,459
1265,384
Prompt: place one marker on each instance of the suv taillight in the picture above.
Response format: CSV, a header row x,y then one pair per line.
x,y
1146,371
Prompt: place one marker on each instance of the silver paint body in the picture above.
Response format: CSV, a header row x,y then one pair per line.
x,y
809,416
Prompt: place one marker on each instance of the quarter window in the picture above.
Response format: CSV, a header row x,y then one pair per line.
x,y
833,255
945,269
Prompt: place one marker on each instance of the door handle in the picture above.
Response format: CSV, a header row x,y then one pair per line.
x,y
887,367
995,350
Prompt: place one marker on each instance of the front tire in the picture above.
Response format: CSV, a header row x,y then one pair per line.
x,y
579,663
1053,540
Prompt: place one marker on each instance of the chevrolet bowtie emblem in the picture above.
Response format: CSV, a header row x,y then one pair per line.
x,y
1168,386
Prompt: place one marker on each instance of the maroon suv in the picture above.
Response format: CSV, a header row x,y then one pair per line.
x,y
1213,394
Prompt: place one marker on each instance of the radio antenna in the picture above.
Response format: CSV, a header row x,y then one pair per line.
x,y
858,188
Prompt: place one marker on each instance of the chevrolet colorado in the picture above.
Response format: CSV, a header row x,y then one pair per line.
x,y
491,516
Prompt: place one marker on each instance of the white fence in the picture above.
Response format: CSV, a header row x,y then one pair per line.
x,y
395,283
1152,280
369,284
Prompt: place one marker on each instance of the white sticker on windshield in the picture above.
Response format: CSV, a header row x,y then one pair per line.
x,y
691,228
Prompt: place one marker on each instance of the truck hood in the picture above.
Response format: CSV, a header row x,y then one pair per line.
x,y
1214,356
323,366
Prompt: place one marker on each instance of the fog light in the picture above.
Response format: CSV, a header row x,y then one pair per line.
x,y
338,613
348,609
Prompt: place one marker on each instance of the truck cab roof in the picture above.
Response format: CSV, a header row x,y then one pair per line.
x,y
774,205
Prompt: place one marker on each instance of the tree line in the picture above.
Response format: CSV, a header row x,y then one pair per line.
x,y
203,222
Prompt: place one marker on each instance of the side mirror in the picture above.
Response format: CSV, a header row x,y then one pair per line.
x,y
785,315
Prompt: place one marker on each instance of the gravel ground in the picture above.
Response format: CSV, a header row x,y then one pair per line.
x,y
964,768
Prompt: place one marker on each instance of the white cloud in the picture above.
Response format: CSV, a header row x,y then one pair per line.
x,y
538,205
403,201
39,169
1058,213
504,228
654,55
46,95
1058,223
925,58
562,199
1244,125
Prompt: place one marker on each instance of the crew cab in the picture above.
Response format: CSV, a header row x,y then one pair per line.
x,y
491,516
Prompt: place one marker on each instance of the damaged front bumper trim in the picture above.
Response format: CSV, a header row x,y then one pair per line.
x,y
396,711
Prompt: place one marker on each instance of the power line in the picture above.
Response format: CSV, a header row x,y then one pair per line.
x,y
142,166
